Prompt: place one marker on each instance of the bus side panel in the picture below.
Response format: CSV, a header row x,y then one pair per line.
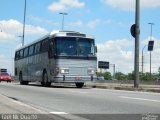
x,y
25,69
38,63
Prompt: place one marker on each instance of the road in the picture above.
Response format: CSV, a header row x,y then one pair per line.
x,y
87,103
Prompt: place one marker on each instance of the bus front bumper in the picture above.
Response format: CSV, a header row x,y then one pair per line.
x,y
74,79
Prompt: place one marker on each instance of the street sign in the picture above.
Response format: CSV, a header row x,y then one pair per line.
x,y
133,30
150,45
103,64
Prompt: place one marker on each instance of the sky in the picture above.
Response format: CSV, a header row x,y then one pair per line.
x,y
109,21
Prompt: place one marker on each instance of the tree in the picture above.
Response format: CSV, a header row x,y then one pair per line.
x,y
106,75
130,76
120,76
147,76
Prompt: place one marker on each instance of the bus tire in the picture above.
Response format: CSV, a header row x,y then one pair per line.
x,y
21,79
26,82
79,85
45,82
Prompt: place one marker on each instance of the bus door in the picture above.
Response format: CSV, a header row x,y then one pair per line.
x,y
51,53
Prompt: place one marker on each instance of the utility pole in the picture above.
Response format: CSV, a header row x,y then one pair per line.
x,y
143,58
21,40
24,23
114,70
63,14
137,34
151,51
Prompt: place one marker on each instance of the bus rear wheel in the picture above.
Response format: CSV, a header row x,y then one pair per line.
x,y
45,82
79,85
21,80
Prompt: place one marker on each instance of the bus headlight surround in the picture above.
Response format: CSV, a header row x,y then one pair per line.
x,y
64,70
91,71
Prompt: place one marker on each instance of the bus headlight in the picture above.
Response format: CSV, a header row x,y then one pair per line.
x,y
91,71
64,70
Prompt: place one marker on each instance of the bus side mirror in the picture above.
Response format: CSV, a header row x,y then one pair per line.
x,y
96,49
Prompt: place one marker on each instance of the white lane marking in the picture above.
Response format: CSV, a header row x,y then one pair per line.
x,y
143,99
68,116
78,92
59,113
139,92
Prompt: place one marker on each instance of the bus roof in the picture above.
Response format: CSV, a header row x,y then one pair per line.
x,y
58,33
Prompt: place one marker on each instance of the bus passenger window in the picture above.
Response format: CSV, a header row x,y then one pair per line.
x,y
21,54
17,56
51,50
26,52
37,48
31,49
44,46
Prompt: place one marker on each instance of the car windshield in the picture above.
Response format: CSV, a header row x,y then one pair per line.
x,y
4,74
72,46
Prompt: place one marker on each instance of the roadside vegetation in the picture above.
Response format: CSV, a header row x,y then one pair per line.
x,y
130,76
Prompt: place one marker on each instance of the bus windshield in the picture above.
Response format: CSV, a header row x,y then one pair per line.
x,y
72,46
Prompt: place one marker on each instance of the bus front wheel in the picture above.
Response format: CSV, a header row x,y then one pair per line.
x,y
79,85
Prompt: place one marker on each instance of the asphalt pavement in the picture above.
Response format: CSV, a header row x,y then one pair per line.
x,y
12,109
68,102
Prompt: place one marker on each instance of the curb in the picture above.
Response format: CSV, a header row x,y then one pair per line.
x,y
127,88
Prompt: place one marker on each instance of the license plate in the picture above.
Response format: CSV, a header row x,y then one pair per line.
x,y
78,78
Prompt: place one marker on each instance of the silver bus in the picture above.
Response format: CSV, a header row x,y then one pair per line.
x,y
59,57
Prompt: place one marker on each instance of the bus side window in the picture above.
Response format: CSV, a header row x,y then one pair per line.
x,y
31,50
26,52
17,55
51,50
21,54
37,48
44,45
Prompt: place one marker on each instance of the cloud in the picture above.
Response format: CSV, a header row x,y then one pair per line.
x,y
121,53
10,29
6,37
78,23
114,52
41,20
129,5
63,5
6,63
96,22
